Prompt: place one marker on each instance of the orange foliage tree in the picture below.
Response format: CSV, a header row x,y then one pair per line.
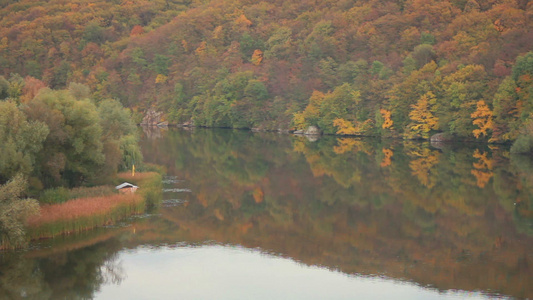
x,y
422,117
257,57
482,118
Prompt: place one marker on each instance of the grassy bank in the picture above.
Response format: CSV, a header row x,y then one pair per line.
x,y
88,211
150,186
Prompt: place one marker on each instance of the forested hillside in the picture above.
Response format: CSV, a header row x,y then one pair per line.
x,y
399,68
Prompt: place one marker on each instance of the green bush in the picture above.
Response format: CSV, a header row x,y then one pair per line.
x,y
524,142
55,195
523,145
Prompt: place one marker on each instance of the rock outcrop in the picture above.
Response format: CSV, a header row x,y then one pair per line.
x,y
312,130
441,138
153,118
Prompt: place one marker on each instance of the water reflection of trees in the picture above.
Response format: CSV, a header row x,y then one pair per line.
x,y
363,206
444,217
76,274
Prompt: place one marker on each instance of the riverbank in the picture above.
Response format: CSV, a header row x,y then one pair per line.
x,y
84,213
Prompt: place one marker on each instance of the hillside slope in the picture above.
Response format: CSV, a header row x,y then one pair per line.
x,y
406,68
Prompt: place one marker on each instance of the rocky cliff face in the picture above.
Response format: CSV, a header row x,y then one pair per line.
x,y
153,118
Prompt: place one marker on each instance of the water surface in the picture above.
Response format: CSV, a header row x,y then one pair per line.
x,y
267,216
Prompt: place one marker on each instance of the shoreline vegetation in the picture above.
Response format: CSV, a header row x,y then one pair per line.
x,y
62,151
88,212
313,133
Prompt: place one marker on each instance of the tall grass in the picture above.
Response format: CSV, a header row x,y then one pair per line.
x,y
83,214
97,206
61,194
150,186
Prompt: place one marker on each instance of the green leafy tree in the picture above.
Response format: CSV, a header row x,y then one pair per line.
x,y
341,103
72,152
279,43
461,90
16,85
79,91
14,211
4,88
121,149
20,141
161,64
94,33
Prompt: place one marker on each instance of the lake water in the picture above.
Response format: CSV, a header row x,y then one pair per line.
x,y
268,216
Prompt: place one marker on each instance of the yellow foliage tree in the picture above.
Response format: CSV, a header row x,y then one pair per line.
x,y
218,33
298,120
185,45
422,117
257,57
310,115
243,20
200,51
387,121
345,127
161,78
258,195
482,118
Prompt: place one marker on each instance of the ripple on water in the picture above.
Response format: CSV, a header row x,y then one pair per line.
x,y
173,202
176,190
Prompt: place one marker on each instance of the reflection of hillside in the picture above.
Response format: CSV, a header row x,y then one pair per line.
x,y
440,218
450,219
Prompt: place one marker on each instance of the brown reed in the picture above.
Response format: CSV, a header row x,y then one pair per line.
x,y
83,214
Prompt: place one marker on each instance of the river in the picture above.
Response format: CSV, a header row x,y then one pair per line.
x,y
272,216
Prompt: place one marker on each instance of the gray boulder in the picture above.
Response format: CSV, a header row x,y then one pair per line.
x,y
312,130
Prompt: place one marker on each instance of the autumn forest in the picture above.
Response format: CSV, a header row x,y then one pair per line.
x,y
402,68
379,195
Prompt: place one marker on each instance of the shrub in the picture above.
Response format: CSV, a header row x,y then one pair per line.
x,y
524,142
13,212
55,195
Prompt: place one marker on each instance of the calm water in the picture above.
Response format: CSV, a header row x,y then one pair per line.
x,y
267,216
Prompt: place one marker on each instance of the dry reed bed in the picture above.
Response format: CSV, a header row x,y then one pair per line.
x,y
83,214
91,211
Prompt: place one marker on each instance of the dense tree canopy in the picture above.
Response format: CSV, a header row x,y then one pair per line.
x,y
246,64
62,137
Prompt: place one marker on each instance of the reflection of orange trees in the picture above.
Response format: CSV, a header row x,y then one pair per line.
x,y
332,161
482,168
425,159
344,145
387,159
353,145
298,145
354,216
258,195
453,253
